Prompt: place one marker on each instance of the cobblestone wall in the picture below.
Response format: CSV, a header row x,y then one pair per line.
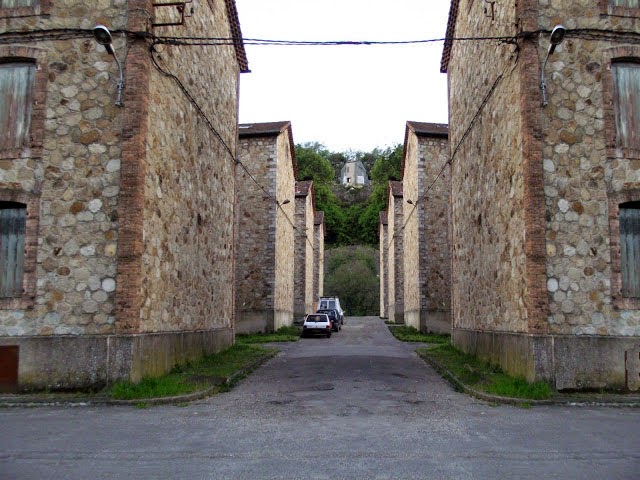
x,y
395,269
427,261
535,195
304,219
129,237
413,240
73,174
318,256
487,173
582,176
285,234
265,259
188,233
255,262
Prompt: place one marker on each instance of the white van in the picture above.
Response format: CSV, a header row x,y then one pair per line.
x,y
330,303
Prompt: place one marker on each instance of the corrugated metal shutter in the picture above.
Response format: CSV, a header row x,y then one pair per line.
x,y
17,3
626,78
13,219
16,90
630,249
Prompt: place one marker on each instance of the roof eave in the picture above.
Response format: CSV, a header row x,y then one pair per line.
x,y
236,33
451,31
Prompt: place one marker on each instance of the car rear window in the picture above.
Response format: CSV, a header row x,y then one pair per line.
x,y
316,318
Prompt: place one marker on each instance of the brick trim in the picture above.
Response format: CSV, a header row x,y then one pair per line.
x,y
615,11
32,148
534,198
610,55
29,278
132,175
615,199
43,8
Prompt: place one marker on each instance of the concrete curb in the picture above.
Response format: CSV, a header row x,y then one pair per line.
x,y
62,399
568,400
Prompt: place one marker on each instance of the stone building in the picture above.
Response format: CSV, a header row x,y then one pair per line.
x,y
384,263
354,173
395,253
318,256
427,263
304,301
122,217
545,189
265,240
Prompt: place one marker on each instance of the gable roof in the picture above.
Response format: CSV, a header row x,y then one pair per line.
x,y
422,129
396,188
451,31
270,129
267,129
236,33
427,129
303,187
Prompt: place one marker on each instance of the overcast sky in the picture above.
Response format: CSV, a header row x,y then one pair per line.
x,y
345,97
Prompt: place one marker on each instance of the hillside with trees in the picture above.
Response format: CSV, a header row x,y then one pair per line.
x,y
351,220
350,217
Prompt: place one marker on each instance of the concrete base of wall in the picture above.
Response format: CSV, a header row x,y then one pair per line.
x,y
255,321
432,321
396,317
282,319
568,362
412,318
94,361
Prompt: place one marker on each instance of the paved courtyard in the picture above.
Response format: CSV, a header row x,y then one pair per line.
x,y
358,405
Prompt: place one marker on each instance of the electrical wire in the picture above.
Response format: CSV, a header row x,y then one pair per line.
x,y
218,136
593,34
449,161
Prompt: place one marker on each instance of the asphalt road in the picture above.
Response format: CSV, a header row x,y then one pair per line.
x,y
357,405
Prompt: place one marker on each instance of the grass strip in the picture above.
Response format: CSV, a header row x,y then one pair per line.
x,y
484,377
283,334
411,334
205,373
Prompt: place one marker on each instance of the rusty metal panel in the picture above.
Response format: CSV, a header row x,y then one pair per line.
x,y
13,217
626,77
16,92
9,360
630,249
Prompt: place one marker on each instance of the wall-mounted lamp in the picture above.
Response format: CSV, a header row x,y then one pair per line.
x,y
557,36
285,202
103,37
410,202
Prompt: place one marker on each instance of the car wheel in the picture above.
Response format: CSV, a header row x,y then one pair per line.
x,y
328,334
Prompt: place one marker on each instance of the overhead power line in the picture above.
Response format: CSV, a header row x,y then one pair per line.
x,y
594,34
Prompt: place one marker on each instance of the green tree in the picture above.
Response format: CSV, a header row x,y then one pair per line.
x,y
352,274
387,167
312,165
